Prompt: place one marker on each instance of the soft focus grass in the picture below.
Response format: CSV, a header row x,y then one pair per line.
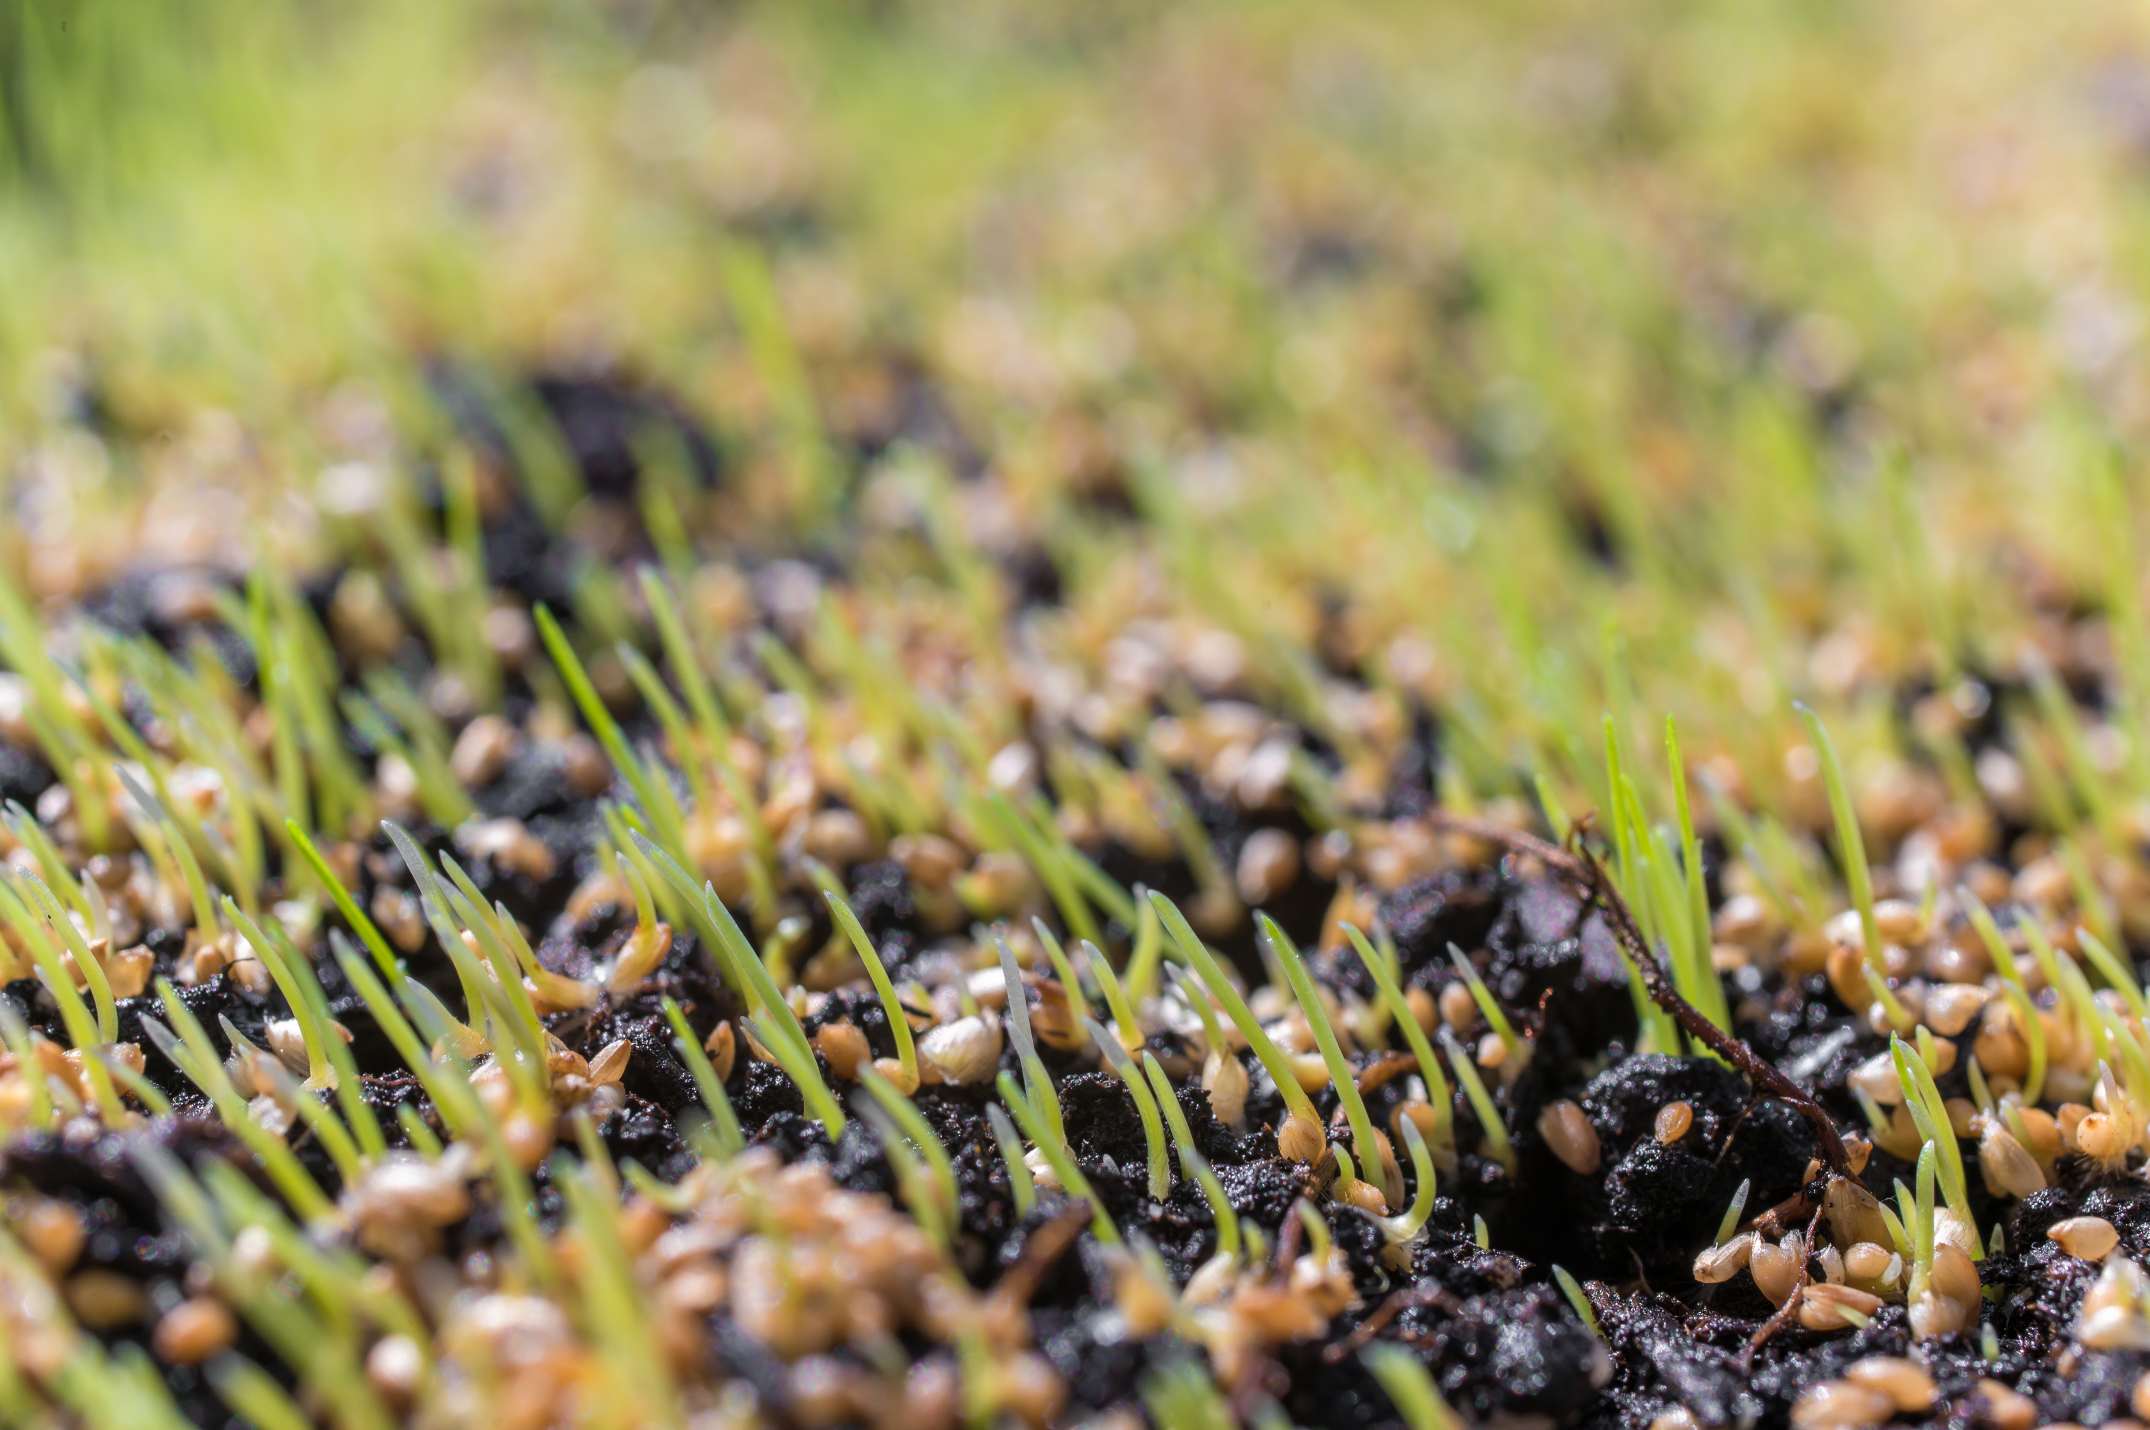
x,y
1667,360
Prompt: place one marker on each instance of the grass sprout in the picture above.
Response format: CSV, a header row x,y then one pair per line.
x,y
1498,1142
1341,1074
1020,1186
1922,1099
1153,1129
1057,1156
725,1137
1309,1135
1409,1386
1192,1164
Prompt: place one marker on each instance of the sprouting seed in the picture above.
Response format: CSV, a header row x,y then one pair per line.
x,y
1410,1387
1153,1131
1731,1215
1341,1074
1020,1185
1851,848
1474,1088
1191,1160
1572,1289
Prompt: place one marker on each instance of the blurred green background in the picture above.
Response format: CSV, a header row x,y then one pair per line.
x,y
1662,357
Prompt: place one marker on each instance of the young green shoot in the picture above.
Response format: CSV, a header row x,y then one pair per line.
x,y
1381,971
31,908
913,1124
2013,987
1850,845
193,1054
1063,968
1922,1099
1408,1384
1057,1156
1020,1186
1732,1212
899,1023
1304,1134
376,945
918,1181
1488,1006
1124,1020
1342,1076
1192,1163
1572,1289
799,1065
1153,1127
1474,1088
1037,1082
651,790
724,1134
1406,1226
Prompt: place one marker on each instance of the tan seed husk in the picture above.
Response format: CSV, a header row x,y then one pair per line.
x,y
1568,1133
1673,1121
2086,1238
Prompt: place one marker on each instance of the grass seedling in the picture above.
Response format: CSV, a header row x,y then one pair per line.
x,y
1730,1219
1149,951
653,793
1489,1007
1192,1163
1189,989
1382,971
354,917
1410,1387
2014,988
28,903
799,1065
926,1176
1922,1099
193,1054
1572,1289
1063,969
1474,1088
685,744
1037,1082
912,1123
319,1071
487,999
16,1037
1124,1021
440,793
1153,1128
725,1136
1850,846
451,1095
1057,1156
899,1022
1184,1396
2115,972
1342,1075
1406,1226
1020,1186
253,1394
82,1031
779,1029
1303,1136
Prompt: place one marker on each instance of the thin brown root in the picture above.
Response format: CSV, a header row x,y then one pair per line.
x,y
1583,871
